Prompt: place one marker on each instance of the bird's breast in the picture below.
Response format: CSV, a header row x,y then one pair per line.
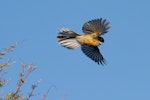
x,y
88,40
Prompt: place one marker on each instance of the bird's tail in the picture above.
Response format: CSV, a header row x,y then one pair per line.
x,y
67,38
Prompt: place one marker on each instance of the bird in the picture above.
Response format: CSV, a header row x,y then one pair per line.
x,y
89,41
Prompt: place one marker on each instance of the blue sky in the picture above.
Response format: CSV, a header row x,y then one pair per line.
x,y
76,77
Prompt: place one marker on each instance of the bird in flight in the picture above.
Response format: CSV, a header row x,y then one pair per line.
x,y
89,41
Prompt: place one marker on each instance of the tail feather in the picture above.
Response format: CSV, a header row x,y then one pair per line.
x,y
67,32
67,38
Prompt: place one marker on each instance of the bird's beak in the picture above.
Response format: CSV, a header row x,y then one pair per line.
x,y
100,42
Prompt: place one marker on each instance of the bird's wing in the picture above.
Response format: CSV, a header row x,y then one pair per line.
x,y
99,26
93,53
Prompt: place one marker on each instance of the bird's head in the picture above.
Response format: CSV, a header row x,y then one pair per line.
x,y
101,40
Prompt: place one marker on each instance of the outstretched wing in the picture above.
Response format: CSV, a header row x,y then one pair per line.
x,y
99,26
93,53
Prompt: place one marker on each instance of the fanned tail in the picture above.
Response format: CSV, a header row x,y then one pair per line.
x,y
67,38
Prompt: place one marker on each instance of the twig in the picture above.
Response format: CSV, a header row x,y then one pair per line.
x,y
45,95
33,88
23,78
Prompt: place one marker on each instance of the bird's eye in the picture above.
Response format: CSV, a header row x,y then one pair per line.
x,y
101,39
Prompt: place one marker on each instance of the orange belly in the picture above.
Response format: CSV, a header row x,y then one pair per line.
x,y
88,40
